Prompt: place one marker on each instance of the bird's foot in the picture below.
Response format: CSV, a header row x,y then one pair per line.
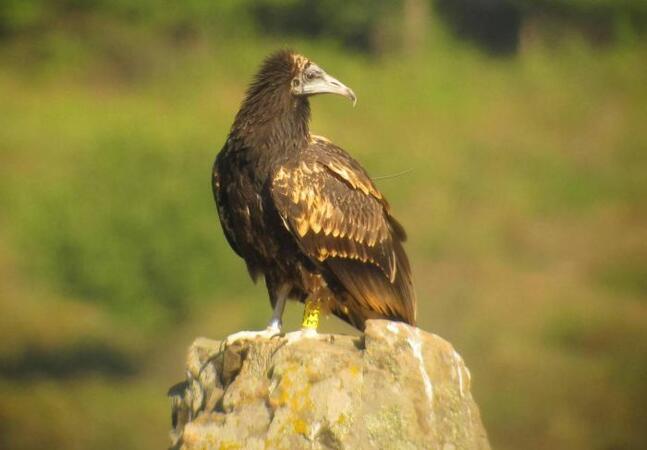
x,y
304,333
268,333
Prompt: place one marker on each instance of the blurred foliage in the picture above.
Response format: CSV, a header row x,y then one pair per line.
x,y
525,210
25,16
366,25
129,215
625,7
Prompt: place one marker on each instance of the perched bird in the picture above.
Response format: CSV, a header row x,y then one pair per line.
x,y
302,212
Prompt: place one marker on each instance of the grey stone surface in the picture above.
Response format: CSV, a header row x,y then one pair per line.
x,y
396,387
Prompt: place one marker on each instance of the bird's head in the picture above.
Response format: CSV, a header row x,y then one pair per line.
x,y
286,69
276,106
310,79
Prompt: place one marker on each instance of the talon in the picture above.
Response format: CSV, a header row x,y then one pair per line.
x,y
268,333
304,333
310,333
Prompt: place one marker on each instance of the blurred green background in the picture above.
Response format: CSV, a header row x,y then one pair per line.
x,y
524,123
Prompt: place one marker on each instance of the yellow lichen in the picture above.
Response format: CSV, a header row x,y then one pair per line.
x,y
300,426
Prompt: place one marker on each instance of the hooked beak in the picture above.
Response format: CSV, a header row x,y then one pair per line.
x,y
325,84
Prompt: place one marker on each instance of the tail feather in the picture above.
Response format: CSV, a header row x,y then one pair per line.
x,y
371,295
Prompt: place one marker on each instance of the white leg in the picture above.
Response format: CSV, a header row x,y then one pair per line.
x,y
277,314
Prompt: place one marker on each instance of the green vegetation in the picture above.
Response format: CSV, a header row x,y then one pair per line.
x,y
525,211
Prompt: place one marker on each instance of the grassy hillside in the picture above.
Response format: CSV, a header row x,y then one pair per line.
x,y
523,199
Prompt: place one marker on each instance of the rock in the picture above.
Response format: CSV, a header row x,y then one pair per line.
x,y
396,387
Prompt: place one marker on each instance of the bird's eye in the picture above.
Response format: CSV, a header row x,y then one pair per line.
x,y
310,75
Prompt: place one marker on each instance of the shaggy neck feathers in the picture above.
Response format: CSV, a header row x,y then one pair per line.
x,y
271,118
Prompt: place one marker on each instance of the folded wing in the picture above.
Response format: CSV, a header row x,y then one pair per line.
x,y
340,220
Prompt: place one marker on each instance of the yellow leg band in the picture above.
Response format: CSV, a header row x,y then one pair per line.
x,y
311,314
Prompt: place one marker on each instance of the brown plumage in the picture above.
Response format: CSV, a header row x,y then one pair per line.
x,y
301,211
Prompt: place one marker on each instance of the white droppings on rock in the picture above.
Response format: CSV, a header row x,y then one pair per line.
x,y
416,347
458,362
314,431
393,328
274,384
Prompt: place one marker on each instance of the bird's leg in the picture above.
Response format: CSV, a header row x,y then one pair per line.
x,y
319,294
273,327
311,314
277,315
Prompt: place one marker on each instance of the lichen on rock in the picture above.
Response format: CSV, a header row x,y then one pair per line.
x,y
396,387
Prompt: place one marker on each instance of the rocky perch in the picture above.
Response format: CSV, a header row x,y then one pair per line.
x,y
395,387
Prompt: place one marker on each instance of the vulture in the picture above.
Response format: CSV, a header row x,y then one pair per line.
x,y
302,212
